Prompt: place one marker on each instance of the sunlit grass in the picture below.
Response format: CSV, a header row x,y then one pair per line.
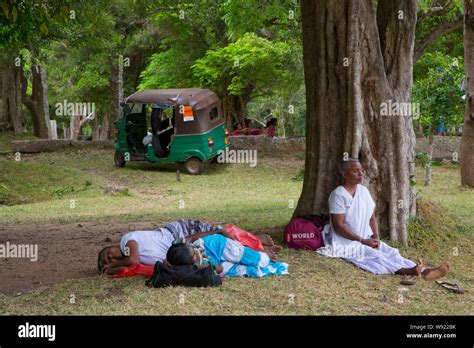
x,y
261,198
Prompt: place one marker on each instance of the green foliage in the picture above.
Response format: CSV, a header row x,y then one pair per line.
x,y
187,30
431,227
3,193
79,67
28,22
255,57
299,176
275,19
59,192
439,93
251,63
448,44
163,70
422,158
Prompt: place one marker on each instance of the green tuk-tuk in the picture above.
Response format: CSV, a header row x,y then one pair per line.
x,y
186,127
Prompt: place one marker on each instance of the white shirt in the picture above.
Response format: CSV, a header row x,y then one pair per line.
x,y
357,210
340,200
152,245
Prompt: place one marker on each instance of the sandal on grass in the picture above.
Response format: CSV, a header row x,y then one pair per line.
x,y
408,280
451,286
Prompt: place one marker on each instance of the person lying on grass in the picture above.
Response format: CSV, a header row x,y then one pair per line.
x,y
353,232
148,247
229,257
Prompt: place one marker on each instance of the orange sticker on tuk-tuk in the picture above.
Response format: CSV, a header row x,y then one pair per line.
x,y
187,111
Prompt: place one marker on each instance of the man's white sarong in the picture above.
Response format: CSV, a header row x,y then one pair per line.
x,y
358,210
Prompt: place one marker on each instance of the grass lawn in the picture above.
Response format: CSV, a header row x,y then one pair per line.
x,y
65,187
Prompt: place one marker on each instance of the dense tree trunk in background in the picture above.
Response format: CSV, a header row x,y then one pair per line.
x,y
116,90
467,140
11,116
355,59
75,127
38,103
95,129
234,107
106,128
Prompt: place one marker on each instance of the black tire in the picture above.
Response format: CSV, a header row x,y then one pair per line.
x,y
193,166
119,161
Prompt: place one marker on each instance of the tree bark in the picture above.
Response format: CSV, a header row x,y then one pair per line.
x,y
116,88
467,140
75,127
95,129
105,128
355,60
38,103
11,116
234,107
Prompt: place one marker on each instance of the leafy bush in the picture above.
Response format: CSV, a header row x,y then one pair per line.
x,y
439,93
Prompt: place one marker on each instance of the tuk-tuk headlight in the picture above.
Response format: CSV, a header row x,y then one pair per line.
x,y
226,132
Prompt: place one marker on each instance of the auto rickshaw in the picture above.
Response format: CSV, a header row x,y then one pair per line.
x,y
186,127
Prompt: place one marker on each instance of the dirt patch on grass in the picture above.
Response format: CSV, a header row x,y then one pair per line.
x,y
67,251
64,251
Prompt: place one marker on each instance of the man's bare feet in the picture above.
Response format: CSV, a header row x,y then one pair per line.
x,y
419,267
265,239
435,273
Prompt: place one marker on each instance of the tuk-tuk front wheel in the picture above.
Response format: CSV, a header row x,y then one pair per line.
x,y
119,160
194,166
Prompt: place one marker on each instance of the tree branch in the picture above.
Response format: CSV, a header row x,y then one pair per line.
x,y
436,11
440,30
27,101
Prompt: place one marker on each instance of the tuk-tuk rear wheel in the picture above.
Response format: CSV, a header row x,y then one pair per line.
x,y
193,166
119,160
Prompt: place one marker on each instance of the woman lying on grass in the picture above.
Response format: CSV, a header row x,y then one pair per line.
x,y
353,232
229,257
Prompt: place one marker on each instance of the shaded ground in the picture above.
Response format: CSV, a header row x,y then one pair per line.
x,y
38,191
64,252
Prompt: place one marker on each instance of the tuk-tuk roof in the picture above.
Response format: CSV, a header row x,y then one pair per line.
x,y
198,98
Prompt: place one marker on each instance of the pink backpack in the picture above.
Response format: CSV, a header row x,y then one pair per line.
x,y
305,232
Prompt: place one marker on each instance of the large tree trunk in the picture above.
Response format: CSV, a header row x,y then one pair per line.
x,y
38,103
355,60
106,129
467,141
116,88
75,127
95,129
11,116
234,107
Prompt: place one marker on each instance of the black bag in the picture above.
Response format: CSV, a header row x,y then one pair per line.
x,y
189,275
